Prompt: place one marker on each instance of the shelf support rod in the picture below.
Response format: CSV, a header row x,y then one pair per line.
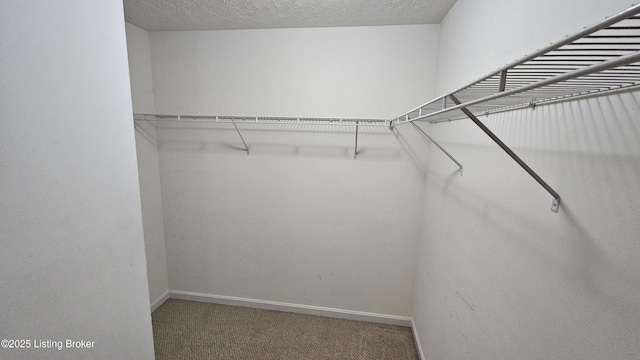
x,y
355,152
556,197
438,145
239,134
503,81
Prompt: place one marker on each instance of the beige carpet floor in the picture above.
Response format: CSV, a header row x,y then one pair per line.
x,y
194,330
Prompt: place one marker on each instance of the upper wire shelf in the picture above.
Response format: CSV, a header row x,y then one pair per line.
x,y
602,58
260,120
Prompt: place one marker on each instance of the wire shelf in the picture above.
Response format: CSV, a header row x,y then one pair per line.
x,y
260,120
599,59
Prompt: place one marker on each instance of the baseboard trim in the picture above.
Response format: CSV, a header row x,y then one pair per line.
x,y
159,301
417,339
293,308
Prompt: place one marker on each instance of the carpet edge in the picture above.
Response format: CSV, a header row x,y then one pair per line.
x,y
293,308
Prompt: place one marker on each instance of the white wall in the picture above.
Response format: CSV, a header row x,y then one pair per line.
x,y
500,276
72,259
139,51
148,164
349,72
299,220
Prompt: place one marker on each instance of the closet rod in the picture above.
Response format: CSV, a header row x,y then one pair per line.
x,y
559,99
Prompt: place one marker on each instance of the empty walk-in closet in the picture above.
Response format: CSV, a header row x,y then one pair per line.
x,y
466,173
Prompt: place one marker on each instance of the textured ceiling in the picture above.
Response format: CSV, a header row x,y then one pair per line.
x,y
165,15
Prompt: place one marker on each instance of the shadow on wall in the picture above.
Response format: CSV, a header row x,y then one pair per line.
x,y
585,239
147,131
373,143
589,151
414,145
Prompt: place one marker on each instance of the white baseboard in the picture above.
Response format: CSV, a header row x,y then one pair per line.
x,y
417,339
293,308
159,301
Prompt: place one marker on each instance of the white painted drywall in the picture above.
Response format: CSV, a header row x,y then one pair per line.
x,y
500,276
348,72
299,220
72,258
139,51
148,165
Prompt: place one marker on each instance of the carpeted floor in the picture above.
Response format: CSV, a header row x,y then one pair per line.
x,y
194,330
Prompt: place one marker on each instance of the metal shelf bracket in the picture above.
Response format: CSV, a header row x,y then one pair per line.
x,y
355,151
438,145
241,138
556,197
